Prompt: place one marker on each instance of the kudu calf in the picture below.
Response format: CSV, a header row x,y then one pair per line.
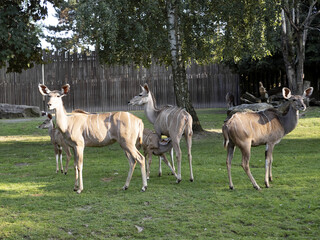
x,y
151,146
170,121
261,128
82,130
57,141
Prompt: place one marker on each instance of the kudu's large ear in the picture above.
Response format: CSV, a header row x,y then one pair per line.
x,y
43,89
65,89
286,92
146,87
308,92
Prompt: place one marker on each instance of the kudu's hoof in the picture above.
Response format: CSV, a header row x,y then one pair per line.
x,y
124,188
231,187
61,171
65,173
178,180
191,179
143,189
257,188
79,191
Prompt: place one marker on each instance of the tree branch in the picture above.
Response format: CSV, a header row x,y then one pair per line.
x,y
310,16
287,13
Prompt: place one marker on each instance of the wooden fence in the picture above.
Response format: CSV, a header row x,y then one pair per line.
x,y
98,88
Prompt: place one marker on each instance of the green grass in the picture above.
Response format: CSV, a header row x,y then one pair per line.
x,y
37,203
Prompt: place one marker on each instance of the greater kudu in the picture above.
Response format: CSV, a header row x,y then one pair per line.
x,y
57,141
171,121
151,146
82,130
261,128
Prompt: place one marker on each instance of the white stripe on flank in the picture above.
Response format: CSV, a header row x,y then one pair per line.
x,y
98,122
252,129
167,115
129,121
243,126
177,119
268,121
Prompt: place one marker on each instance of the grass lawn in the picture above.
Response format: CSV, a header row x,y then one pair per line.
x,y
37,203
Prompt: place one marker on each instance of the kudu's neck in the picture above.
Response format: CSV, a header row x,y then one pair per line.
x,y
290,119
50,129
61,118
150,110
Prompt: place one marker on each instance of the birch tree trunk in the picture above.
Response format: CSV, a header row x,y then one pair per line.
x,y
293,38
180,82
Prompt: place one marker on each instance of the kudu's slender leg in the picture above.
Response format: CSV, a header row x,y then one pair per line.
x,y
177,149
57,162
245,149
135,156
76,182
79,162
148,163
60,156
268,166
56,151
168,164
231,149
188,137
68,153
160,168
172,160
132,165
78,165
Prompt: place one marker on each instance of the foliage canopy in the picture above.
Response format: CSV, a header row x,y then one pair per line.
x,y
19,33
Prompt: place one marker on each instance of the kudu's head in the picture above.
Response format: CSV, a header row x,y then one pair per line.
x,y
296,101
48,122
142,98
55,96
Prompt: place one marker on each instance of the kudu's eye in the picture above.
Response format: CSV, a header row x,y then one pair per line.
x,y
140,95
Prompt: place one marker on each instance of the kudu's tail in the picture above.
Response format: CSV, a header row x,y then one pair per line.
x,y
225,133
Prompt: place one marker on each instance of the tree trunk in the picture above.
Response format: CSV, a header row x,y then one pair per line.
x,y
288,52
180,82
293,39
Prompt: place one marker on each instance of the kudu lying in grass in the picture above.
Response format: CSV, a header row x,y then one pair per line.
x,y
170,121
57,141
151,146
82,130
258,128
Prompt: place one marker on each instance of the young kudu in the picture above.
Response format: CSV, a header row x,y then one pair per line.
x,y
170,121
151,146
82,130
261,128
57,141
